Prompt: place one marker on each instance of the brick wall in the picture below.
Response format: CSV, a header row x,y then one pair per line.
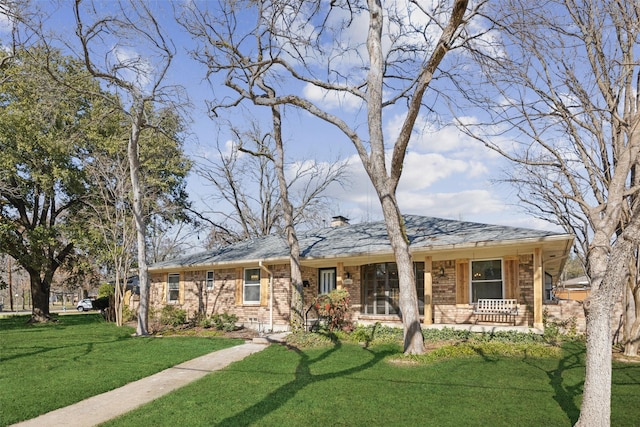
x,y
222,298
525,281
444,287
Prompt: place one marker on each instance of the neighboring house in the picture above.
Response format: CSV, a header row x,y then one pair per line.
x,y
456,263
576,289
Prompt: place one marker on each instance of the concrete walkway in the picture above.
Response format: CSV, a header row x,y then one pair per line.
x,y
105,406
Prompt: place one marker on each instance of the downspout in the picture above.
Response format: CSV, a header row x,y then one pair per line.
x,y
270,294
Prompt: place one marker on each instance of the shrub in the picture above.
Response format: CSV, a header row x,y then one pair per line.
x,y
100,303
334,307
555,331
486,349
128,314
310,339
173,316
224,321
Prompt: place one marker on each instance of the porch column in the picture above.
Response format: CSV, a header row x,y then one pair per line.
x,y
538,287
340,276
428,290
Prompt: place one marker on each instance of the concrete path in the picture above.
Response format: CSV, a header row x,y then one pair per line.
x,y
105,406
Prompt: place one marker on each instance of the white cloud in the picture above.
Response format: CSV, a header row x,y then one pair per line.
x,y
5,24
429,138
332,99
431,184
133,67
460,205
423,170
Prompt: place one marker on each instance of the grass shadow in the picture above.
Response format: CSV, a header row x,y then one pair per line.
x,y
564,394
303,378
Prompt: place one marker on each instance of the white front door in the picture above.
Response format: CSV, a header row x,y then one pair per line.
x,y
327,280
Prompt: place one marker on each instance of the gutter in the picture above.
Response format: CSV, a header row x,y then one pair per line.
x,y
263,267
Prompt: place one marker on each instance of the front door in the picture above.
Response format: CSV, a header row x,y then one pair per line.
x,y
326,280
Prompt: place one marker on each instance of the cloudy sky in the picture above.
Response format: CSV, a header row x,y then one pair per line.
x,y
446,174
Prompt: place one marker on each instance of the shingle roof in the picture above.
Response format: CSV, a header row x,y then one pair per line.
x,y
359,239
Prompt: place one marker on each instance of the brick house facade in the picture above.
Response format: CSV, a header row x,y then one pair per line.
x,y
456,263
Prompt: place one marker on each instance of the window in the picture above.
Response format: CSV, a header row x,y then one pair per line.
x,y
486,279
251,288
326,280
173,288
548,287
381,288
209,280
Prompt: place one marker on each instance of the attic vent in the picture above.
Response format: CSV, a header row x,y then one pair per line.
x,y
338,221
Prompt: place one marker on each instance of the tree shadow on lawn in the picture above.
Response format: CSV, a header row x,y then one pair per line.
x,y
20,322
303,378
19,325
565,394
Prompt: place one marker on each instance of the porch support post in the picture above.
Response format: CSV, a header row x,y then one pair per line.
x,y
428,290
340,276
537,288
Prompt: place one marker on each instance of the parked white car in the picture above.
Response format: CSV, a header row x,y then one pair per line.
x,y
85,304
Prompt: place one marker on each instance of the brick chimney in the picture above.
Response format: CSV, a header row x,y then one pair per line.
x,y
338,221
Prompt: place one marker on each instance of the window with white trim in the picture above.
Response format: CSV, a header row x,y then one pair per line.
x,y
251,286
173,287
486,279
209,280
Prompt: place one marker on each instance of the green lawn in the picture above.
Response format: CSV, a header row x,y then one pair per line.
x,y
347,385
45,367
48,366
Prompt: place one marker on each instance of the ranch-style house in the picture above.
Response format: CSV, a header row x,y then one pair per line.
x,y
466,273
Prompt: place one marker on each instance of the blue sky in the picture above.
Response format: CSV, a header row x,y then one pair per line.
x,y
446,173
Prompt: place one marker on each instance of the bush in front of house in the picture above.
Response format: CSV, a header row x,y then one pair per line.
x,y
334,307
129,314
173,316
224,321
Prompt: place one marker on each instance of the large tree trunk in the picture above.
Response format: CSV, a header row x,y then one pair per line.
x,y
40,277
40,292
413,338
138,214
297,291
597,383
596,399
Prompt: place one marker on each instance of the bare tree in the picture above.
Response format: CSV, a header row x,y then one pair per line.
x,y
291,215
318,45
266,170
560,99
110,221
140,81
244,203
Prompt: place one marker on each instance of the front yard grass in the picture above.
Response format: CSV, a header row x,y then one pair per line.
x,y
360,379
45,367
346,384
